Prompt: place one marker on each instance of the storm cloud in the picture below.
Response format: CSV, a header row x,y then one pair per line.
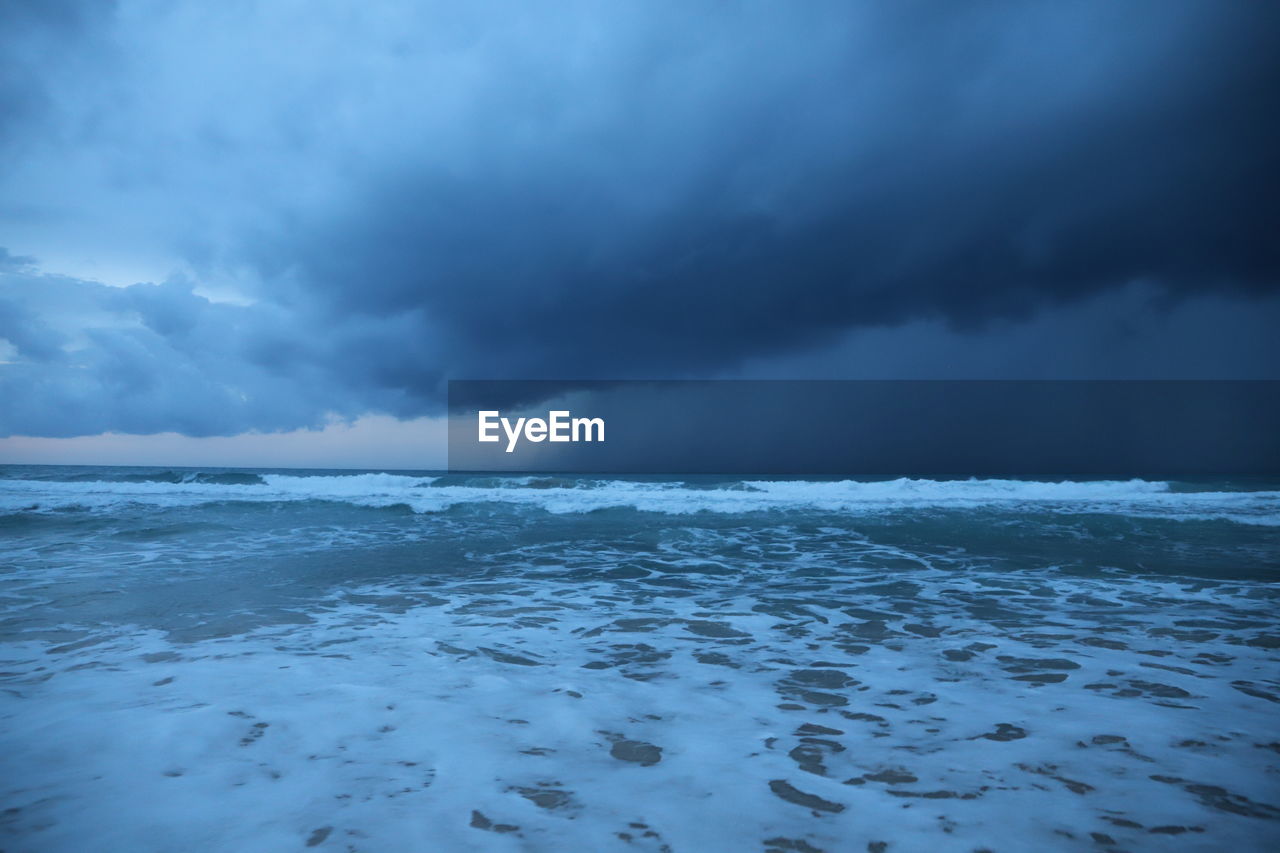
x,y
358,204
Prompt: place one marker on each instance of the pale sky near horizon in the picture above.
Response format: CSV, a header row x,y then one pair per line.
x,y
373,441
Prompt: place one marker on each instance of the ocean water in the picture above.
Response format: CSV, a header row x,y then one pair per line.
x,y
250,660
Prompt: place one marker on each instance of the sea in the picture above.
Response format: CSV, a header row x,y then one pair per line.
x,y
208,659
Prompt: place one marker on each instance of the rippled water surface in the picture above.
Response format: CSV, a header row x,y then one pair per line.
x,y
257,660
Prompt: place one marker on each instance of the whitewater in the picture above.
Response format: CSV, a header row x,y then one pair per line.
x,y
265,660
565,494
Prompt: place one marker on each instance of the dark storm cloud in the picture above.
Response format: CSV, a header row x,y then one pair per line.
x,y
36,34
963,165
612,189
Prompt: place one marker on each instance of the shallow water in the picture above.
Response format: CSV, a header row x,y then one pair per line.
x,y
256,660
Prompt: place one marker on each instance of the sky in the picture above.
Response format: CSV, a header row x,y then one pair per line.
x,y
237,233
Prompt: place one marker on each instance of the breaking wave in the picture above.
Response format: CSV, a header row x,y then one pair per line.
x,y
568,494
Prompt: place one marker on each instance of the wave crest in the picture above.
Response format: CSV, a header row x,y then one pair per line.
x,y
568,494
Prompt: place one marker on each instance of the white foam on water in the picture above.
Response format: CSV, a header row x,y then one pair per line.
x,y
510,714
1135,497
359,489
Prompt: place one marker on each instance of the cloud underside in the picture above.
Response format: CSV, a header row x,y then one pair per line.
x,y
624,190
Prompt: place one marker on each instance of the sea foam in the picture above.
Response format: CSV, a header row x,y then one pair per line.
x,y
426,494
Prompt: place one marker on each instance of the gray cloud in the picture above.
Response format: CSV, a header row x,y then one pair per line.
x,y
612,190
146,358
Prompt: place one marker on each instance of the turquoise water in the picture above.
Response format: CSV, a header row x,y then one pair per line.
x,y
262,660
